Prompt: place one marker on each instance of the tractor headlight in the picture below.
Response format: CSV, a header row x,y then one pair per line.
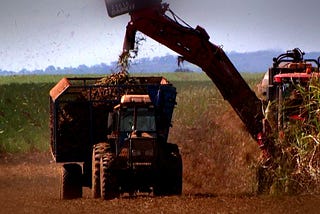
x,y
136,152
149,152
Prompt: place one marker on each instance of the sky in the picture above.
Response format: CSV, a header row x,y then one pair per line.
x,y
38,33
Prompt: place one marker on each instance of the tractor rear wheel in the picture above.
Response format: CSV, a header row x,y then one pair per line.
x,y
169,179
108,182
71,181
176,185
97,152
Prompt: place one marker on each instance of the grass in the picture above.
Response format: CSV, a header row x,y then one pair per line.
x,y
23,117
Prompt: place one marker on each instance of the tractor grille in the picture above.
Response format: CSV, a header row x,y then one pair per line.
x,y
143,152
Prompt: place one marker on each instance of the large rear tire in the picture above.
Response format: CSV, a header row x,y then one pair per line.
x,y
71,181
97,152
177,177
169,179
108,181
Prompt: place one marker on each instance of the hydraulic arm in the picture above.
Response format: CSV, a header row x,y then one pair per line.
x,y
194,46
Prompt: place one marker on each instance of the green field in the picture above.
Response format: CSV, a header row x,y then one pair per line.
x,y
24,108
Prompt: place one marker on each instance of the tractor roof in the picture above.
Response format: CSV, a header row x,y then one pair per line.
x,y
135,98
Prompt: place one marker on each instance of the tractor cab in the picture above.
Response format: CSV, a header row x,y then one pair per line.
x,y
133,127
135,116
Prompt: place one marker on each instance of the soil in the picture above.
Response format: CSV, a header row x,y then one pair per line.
x,y
30,184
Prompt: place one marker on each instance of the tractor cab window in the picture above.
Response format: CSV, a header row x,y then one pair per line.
x,y
127,120
145,120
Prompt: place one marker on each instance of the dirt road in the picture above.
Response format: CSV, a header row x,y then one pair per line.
x,y
30,184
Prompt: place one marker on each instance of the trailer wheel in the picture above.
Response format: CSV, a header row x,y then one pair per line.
x,y
97,152
108,184
71,181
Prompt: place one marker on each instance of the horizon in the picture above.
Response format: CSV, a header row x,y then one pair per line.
x,y
253,61
113,63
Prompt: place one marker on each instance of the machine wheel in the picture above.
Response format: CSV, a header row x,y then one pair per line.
x,y
71,181
176,188
97,152
169,181
108,182
264,180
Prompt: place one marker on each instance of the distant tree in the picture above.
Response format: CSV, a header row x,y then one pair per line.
x,y
24,71
50,69
38,71
183,70
83,69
